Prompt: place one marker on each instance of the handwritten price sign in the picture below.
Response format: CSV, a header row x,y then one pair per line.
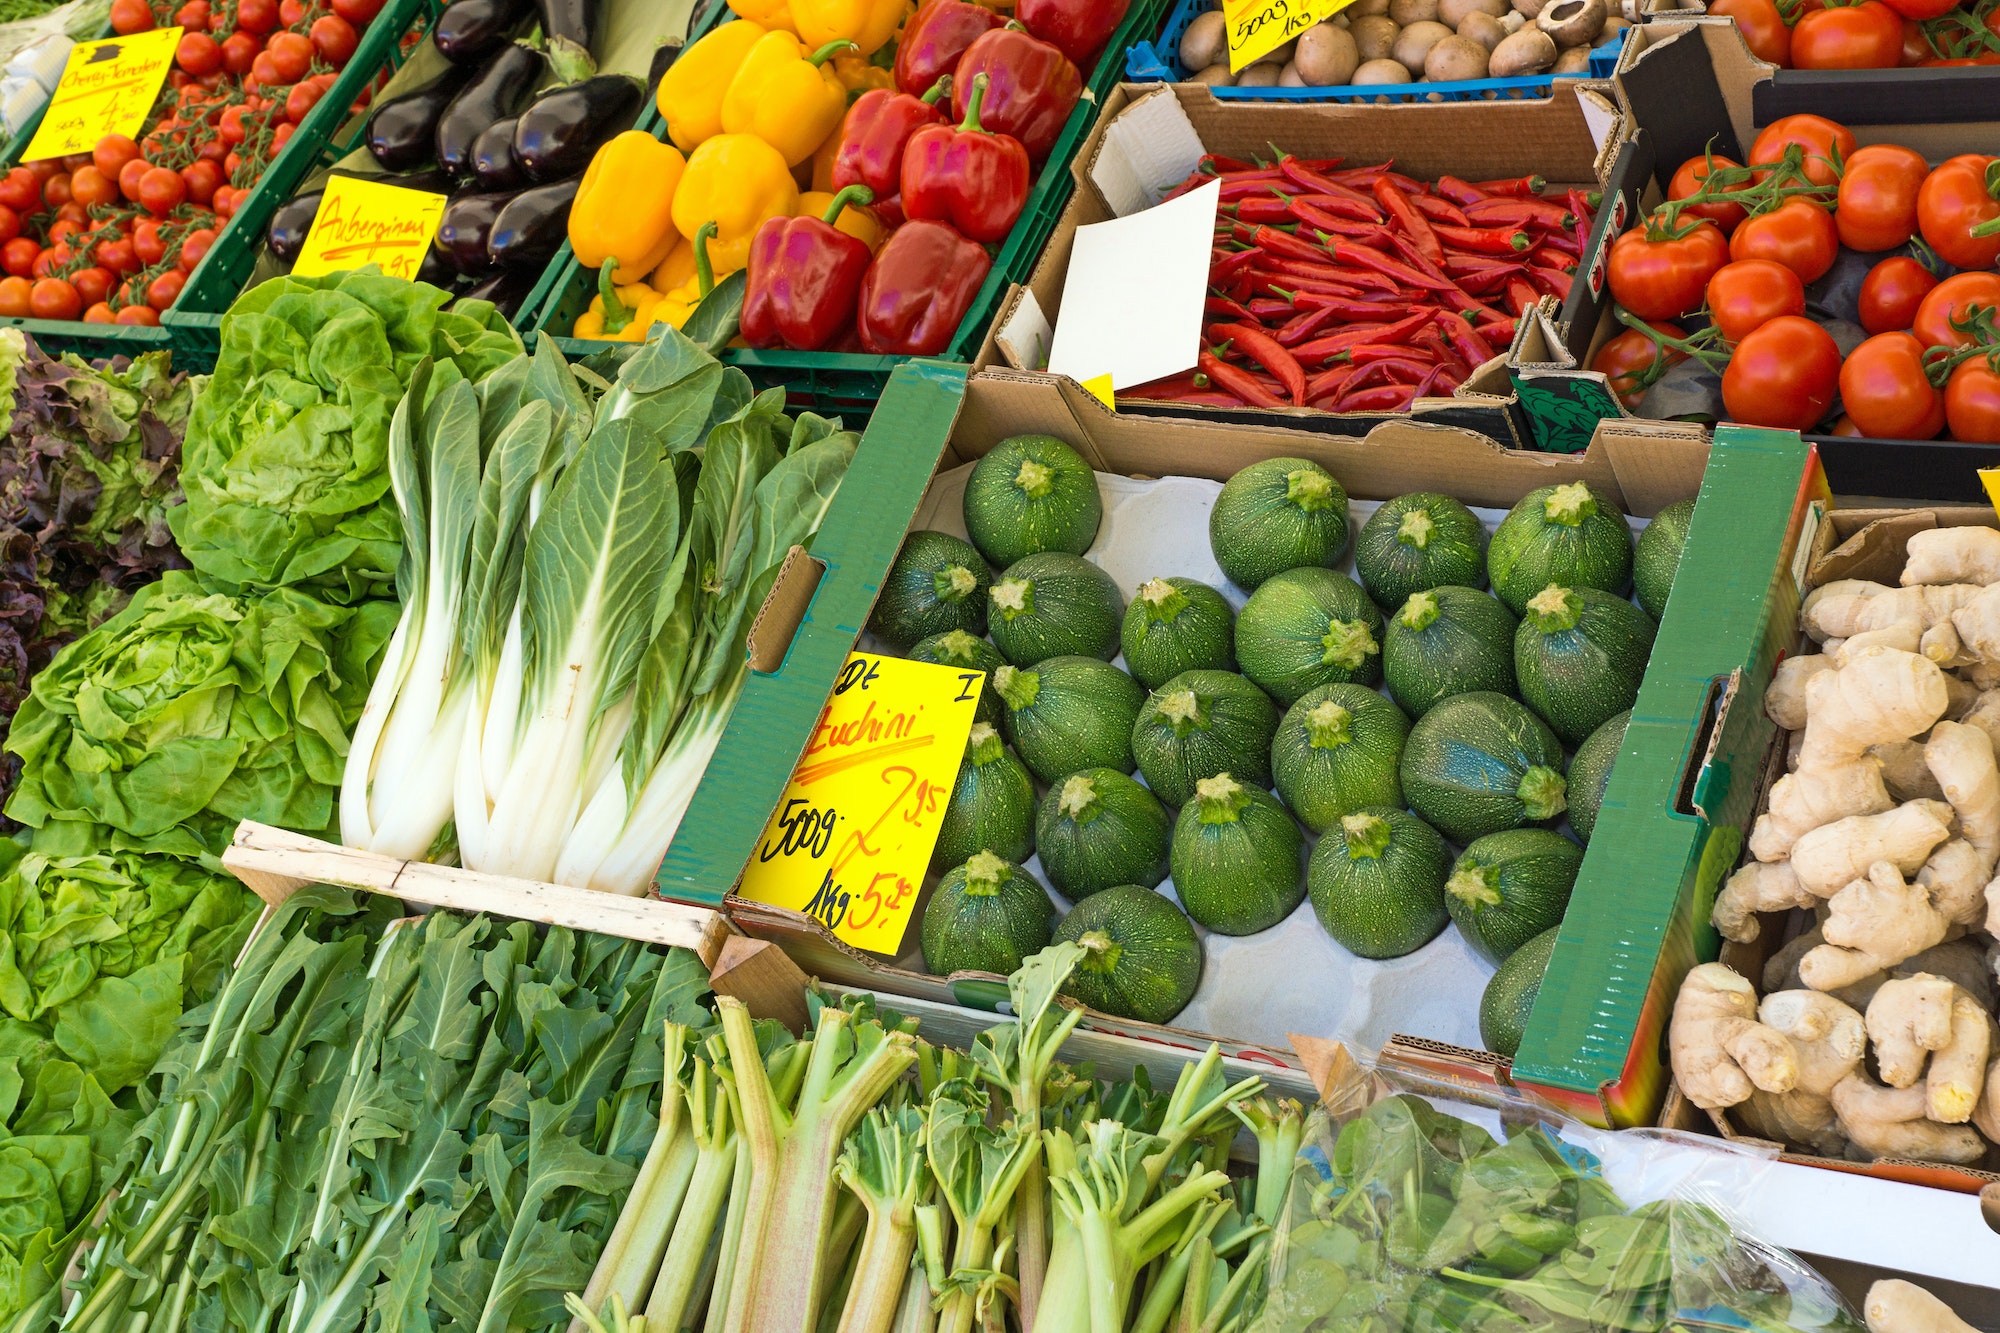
x,y
363,222
854,832
1259,27
107,87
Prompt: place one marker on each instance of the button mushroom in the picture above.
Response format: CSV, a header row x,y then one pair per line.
x,y
1573,60
1453,13
1454,60
1203,44
1414,43
1529,51
1327,56
1488,31
1381,71
1374,36
1406,12
1572,22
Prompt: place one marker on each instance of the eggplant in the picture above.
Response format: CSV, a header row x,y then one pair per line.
x,y
572,20
403,133
560,131
496,92
290,225
505,289
532,225
468,31
437,268
493,164
467,223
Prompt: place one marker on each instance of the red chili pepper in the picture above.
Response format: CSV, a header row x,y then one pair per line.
x,y
1498,332
1327,383
1485,240
1221,305
804,279
1268,308
918,289
1562,243
1520,213
877,131
1458,191
1231,264
1033,88
1269,208
1438,210
1407,184
1552,280
1366,257
1215,164
1400,331
1522,296
1237,381
1361,177
1347,310
969,176
1490,281
1405,215
1464,339
1433,342
1383,398
1284,243
1528,186
1303,325
934,39
1348,199
1400,370
1307,177
1328,271
1253,184
1317,209
1267,352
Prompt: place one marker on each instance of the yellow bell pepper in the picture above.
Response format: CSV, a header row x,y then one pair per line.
x,y
676,268
618,313
855,220
857,73
623,213
869,24
773,14
786,96
822,161
735,181
691,91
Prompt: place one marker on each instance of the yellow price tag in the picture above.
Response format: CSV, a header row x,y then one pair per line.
x,y
1099,387
1989,477
854,832
362,222
1259,27
107,87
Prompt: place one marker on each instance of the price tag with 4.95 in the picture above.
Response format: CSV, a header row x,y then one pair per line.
x,y
1258,27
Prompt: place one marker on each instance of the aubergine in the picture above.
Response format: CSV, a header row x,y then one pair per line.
x,y
463,230
403,133
506,289
571,20
532,225
468,31
497,91
437,268
561,130
493,164
290,226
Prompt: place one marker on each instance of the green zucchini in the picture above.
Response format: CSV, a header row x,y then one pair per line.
x,y
985,916
1141,959
1053,605
1419,541
1659,555
1306,628
1509,887
1559,534
992,806
1510,996
1098,828
938,583
1280,514
958,649
1199,724
1235,858
1445,641
1032,493
1337,751
1377,883
1175,625
1068,714
1479,763
1590,773
1580,655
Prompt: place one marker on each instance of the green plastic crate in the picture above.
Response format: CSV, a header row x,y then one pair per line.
x,y
854,380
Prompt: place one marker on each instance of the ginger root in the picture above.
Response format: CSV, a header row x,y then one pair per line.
x,y
1908,1019
1957,1075
1986,1116
1952,555
1893,1305
1758,886
1961,758
1976,627
1843,616
1781,969
1809,608
1830,1040
1785,700
1906,637
1890,1122
1955,879
1830,857
1719,1051
1872,925
1905,773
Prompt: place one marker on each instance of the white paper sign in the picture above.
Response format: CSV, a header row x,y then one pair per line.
x,y
1132,301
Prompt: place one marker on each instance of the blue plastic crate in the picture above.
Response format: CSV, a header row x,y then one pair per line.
x,y
1159,61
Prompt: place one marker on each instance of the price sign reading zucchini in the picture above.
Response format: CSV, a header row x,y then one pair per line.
x,y
362,222
853,835
107,87
1259,27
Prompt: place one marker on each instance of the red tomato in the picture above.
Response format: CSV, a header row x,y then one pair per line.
x,y
334,39
195,16
1823,140
21,190
230,129
146,242
1878,197
1783,375
1922,9
1955,201
1798,234
130,175
73,212
198,54
1845,427
239,52
1752,292
230,162
1764,31
1664,279
139,314
1972,403
92,284
195,246
358,12
52,298
1951,302
56,191
117,255
161,190
164,290
1891,293
1864,36
263,72
224,202
14,294
49,260
45,168
98,313
1689,178
282,134
292,54
1916,46
72,161
63,230
1631,354
18,256
178,78
1885,391
291,12
113,151
202,179
301,99
130,16
213,150
10,224
92,188
256,16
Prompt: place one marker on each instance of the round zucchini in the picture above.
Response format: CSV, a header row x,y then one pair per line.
x,y
1377,883
1032,493
1175,625
1068,714
1236,858
1336,751
1560,534
1511,886
1445,641
1479,763
1199,724
1510,995
992,806
1141,959
1590,773
985,916
1580,655
1659,555
1280,514
938,583
958,649
1098,828
1306,628
1419,541
1052,605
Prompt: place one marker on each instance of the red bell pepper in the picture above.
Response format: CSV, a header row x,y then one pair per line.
x,y
918,289
877,130
966,175
1032,87
1079,27
804,279
935,37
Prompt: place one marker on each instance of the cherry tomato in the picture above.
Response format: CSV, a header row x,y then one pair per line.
x,y
1955,199
230,130
71,161
45,168
291,13
1631,354
263,71
21,190
1823,140
52,298
1885,391
92,284
292,54
195,246
201,178
99,313
334,39
92,188
1689,178
1798,234
358,12
116,255
56,191
130,16
10,224
256,16
213,150
230,162
282,133
1783,375
113,151
1891,293
195,16
14,293
49,260
301,100
224,202
1864,36
1916,46
198,54
178,78
130,175
164,290
161,190
139,314
1950,302
146,242
239,52
1972,403
1751,292
18,256
63,230
1922,9
1764,30
1878,197
1845,427
1664,279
